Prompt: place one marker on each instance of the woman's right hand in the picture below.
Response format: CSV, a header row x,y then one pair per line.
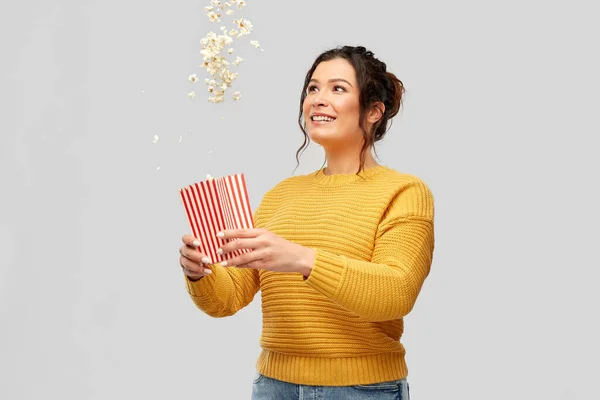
x,y
192,260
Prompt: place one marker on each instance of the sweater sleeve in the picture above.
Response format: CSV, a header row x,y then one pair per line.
x,y
387,286
227,290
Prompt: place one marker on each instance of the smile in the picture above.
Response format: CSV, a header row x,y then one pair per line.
x,y
322,118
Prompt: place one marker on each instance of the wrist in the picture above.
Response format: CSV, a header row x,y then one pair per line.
x,y
307,261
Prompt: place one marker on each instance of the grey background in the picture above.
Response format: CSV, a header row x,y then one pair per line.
x,y
500,119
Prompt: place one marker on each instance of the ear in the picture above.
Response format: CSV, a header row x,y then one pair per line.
x,y
376,112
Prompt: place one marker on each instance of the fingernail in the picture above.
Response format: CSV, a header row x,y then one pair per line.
x,y
224,264
208,271
220,234
196,243
220,252
206,260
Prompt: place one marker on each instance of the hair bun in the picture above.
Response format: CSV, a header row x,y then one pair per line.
x,y
396,92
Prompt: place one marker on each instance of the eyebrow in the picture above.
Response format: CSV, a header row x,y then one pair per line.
x,y
334,80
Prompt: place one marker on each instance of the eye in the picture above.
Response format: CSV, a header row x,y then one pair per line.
x,y
338,88
311,88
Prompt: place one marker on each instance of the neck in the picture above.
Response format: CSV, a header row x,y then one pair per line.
x,y
344,163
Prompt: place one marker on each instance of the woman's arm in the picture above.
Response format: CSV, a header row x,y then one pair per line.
x,y
227,290
386,287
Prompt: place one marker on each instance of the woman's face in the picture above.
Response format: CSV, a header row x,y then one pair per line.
x,y
331,108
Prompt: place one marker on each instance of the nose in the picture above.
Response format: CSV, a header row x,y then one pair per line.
x,y
319,100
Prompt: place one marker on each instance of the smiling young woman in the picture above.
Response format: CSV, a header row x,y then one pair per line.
x,y
340,255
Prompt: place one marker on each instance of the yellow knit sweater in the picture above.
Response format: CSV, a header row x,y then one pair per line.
x,y
374,240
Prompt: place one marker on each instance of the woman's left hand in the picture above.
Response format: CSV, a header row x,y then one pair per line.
x,y
269,251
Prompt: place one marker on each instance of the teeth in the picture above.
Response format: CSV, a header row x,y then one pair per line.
x,y
322,118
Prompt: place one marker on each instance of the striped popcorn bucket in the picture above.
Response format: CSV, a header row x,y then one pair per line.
x,y
214,205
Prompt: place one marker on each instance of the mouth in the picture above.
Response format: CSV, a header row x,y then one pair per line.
x,y
321,119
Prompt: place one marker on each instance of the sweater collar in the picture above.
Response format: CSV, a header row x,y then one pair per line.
x,y
321,178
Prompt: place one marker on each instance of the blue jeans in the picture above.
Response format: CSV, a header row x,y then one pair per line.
x,y
265,388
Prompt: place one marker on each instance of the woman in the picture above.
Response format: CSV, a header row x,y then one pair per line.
x,y
340,254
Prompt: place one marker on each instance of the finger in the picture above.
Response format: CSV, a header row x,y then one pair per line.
x,y
254,264
195,276
239,233
242,259
190,240
238,244
193,269
193,254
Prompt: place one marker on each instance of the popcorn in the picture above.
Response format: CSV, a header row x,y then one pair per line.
x,y
216,48
214,17
155,139
245,27
191,94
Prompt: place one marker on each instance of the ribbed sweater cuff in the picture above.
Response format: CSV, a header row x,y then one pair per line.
x,y
327,272
202,287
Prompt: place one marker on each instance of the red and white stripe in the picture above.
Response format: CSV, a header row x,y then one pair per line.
x,y
214,205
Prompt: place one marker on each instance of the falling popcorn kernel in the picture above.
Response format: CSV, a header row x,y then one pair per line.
x,y
193,78
191,94
158,168
155,139
230,12
230,50
214,17
255,43
208,177
180,139
238,60
236,96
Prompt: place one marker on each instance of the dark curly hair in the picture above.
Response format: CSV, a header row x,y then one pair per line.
x,y
375,84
